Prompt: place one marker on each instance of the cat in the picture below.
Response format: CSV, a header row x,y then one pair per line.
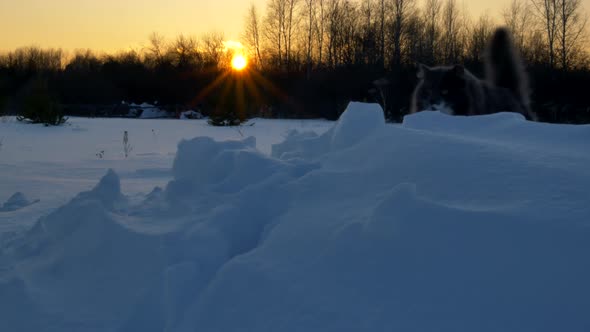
x,y
454,90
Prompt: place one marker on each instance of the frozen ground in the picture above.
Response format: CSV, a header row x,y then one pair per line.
x,y
440,224
53,164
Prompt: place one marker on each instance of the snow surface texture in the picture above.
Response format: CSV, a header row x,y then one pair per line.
x,y
191,115
147,111
441,224
16,202
153,113
54,164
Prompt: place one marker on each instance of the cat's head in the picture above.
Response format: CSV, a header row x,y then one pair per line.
x,y
442,89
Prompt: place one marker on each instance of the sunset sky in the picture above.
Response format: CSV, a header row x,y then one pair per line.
x,y
111,25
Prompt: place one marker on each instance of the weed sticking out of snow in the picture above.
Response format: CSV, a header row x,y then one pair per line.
x,y
127,147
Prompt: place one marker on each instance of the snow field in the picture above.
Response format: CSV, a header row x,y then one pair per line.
x,y
440,224
53,164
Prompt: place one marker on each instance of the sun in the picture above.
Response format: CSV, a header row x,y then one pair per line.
x,y
239,62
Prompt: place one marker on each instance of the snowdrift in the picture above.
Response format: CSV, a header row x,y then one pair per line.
x,y
16,201
440,224
147,111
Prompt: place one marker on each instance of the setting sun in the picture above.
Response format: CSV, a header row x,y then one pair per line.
x,y
239,62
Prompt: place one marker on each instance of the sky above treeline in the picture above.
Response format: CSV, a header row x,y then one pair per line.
x,y
113,25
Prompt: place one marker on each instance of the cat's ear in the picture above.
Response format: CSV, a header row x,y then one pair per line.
x,y
459,70
422,70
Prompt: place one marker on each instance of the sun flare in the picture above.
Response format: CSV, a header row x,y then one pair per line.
x,y
239,62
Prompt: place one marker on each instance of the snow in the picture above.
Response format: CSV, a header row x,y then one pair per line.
x,y
439,224
54,164
191,115
147,111
16,202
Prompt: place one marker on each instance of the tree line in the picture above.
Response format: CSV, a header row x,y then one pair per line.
x,y
298,34
310,57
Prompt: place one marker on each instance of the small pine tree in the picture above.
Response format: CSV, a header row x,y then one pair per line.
x,y
230,108
228,118
39,106
127,147
3,108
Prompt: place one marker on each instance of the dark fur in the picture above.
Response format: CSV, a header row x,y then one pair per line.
x,y
505,88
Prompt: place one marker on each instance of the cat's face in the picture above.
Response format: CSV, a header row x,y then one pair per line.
x,y
442,89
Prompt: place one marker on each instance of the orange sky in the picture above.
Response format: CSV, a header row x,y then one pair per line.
x,y
111,25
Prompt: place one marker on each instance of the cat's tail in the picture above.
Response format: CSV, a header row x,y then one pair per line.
x,y
505,68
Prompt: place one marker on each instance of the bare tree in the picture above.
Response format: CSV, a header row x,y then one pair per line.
x,y
547,13
35,59
478,37
333,16
369,37
571,33
310,30
382,10
432,11
350,38
367,9
343,18
291,20
536,51
564,26
274,23
451,26
517,17
401,11
417,41
213,48
252,33
320,29
83,61
156,50
185,51
281,19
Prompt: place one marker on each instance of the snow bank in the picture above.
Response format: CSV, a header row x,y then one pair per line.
x,y
147,111
16,202
191,115
358,122
442,223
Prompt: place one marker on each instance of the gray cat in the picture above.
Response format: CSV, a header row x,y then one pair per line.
x,y
454,90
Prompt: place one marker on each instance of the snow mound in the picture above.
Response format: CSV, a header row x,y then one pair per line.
x,y
442,223
357,123
229,166
16,202
406,264
301,145
191,115
440,121
147,111
507,128
202,160
81,252
107,191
